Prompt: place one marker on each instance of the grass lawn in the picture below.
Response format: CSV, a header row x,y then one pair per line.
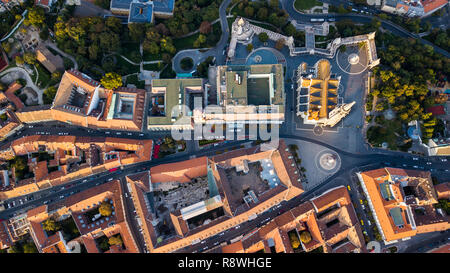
x,y
154,67
188,42
151,57
70,229
131,51
130,68
385,132
167,72
44,76
306,4
134,80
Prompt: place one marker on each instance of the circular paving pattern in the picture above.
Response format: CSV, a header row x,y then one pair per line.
x,y
264,56
318,131
353,61
328,161
257,59
353,58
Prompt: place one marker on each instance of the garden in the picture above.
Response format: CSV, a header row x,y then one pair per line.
x,y
302,5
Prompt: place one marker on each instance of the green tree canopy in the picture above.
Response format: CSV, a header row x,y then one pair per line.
x,y
263,37
29,58
105,209
115,240
36,16
49,94
305,237
294,240
111,80
50,225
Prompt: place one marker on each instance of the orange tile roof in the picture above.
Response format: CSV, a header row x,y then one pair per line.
x,y
338,195
233,248
431,5
183,171
9,93
443,190
375,180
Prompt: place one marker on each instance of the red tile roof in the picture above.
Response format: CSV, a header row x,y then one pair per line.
x,y
431,5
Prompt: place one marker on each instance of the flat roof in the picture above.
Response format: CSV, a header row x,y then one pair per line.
x,y
173,89
260,84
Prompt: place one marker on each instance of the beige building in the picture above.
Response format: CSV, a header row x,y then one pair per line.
x,y
182,203
69,158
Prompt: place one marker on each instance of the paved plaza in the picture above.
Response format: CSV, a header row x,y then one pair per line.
x,y
310,154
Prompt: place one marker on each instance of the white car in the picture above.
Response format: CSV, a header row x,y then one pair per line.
x,y
444,160
141,134
416,167
415,158
429,163
111,179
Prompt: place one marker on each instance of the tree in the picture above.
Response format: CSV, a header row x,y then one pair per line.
x,y
19,60
136,31
7,47
50,225
36,16
2,86
280,43
29,58
200,41
343,48
249,11
305,237
111,80
105,209
29,248
262,14
49,95
167,46
294,240
249,47
115,240
114,24
263,37
205,27
150,47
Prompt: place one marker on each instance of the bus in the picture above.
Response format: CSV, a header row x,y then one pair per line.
x,y
317,20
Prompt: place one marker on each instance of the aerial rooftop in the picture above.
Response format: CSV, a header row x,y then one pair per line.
x,y
84,102
402,202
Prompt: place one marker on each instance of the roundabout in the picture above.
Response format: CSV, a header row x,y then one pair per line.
x,y
328,161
